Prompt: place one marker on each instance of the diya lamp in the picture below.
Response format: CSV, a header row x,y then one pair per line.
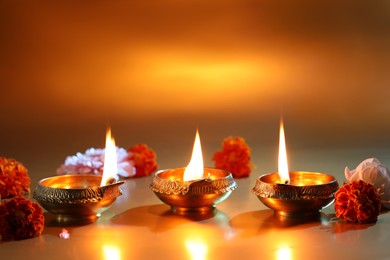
x,y
73,198
194,188
294,193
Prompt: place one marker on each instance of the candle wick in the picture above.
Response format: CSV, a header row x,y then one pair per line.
x,y
286,182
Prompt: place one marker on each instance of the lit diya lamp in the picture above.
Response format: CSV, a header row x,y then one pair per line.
x,y
194,188
294,193
73,198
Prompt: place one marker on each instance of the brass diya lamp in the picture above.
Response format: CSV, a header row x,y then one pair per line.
x,y
73,198
306,193
294,193
195,195
194,188
76,197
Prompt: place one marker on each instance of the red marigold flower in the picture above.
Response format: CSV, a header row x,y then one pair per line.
x,y
14,180
234,157
144,159
20,219
357,201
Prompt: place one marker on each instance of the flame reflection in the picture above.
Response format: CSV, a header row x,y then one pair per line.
x,y
284,253
111,252
197,249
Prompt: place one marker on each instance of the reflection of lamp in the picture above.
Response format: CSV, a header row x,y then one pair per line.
x,y
111,252
283,253
197,249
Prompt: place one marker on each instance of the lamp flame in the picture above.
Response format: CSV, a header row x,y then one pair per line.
x,y
110,160
282,162
194,170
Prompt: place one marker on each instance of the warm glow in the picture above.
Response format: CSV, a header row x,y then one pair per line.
x,y
282,162
197,249
111,252
110,160
283,253
194,170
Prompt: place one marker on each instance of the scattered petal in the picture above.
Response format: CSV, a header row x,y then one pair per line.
x,y
64,234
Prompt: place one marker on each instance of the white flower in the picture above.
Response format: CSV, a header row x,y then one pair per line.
x,y
375,173
92,162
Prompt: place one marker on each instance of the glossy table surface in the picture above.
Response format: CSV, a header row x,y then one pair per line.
x,y
139,226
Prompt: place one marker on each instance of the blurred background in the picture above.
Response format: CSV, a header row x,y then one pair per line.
x,y
156,70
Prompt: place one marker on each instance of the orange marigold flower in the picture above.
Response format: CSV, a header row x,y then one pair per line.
x,y
20,218
144,160
357,201
14,180
234,157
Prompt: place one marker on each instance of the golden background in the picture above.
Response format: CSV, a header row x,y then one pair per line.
x,y
156,70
